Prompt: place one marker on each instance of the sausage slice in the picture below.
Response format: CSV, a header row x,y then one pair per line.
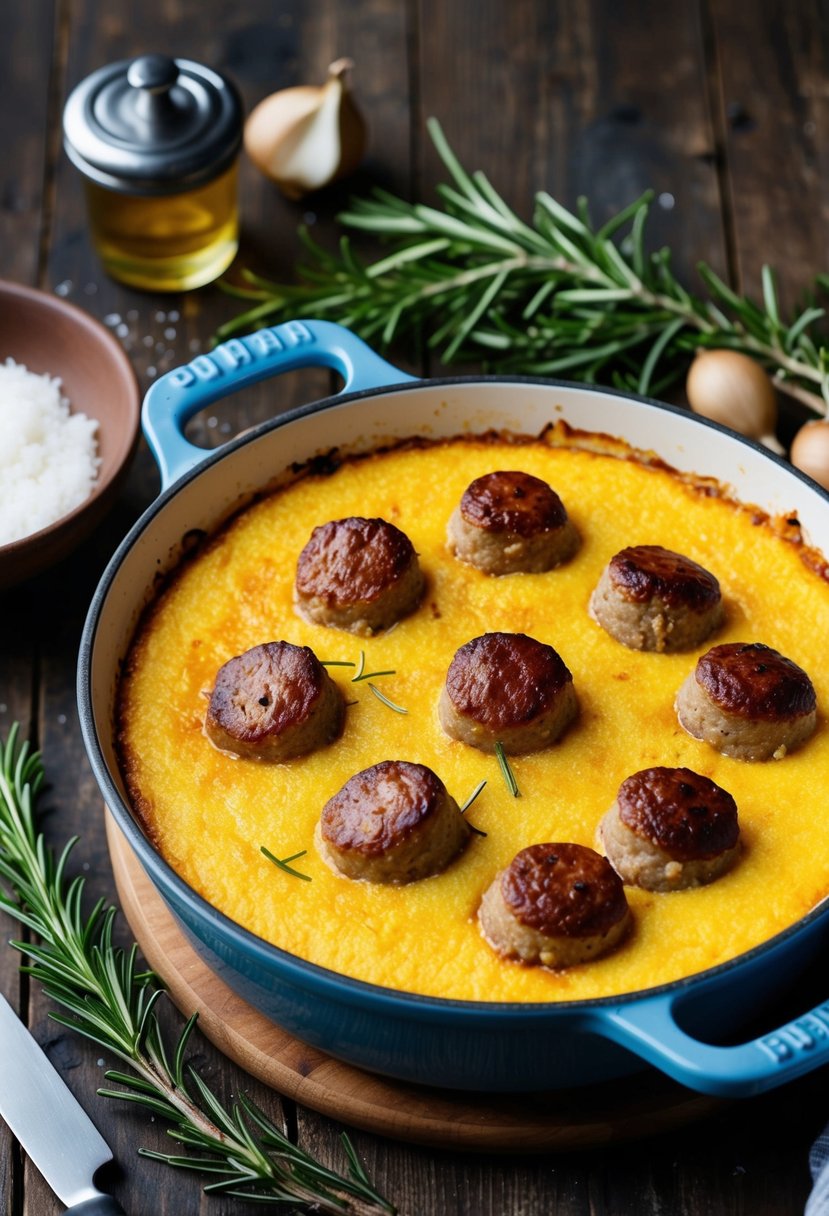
x,y
274,702
358,574
508,522
669,829
748,701
650,598
507,688
555,904
392,823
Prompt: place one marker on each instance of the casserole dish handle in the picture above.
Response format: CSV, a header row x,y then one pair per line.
x,y
181,393
650,1029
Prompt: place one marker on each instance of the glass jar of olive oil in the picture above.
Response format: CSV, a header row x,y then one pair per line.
x,y
157,140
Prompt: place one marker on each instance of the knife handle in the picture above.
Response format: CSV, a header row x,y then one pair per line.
x,y
101,1205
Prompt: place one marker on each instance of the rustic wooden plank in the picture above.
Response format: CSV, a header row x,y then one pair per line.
x,y
774,167
25,63
158,332
773,116
580,99
25,67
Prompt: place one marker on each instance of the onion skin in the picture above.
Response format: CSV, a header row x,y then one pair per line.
x,y
810,452
731,388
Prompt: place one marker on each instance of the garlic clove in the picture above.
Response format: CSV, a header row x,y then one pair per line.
x,y
810,451
305,137
732,388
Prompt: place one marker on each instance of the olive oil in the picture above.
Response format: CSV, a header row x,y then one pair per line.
x,y
168,243
157,140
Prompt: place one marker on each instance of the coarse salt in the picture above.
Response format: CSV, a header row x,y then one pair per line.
x,y
48,457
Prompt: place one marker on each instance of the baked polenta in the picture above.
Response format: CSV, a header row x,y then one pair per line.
x,y
210,814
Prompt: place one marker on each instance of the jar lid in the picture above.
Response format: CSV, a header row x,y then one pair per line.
x,y
153,125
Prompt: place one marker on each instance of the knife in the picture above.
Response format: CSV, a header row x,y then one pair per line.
x,y
52,1127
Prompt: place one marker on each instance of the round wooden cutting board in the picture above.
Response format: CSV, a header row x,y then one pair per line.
x,y
537,1122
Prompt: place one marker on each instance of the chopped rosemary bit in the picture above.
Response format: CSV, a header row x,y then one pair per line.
x,y
468,804
362,674
398,709
283,862
506,771
472,797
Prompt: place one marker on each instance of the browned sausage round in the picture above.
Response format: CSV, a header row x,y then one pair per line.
x,y
650,598
274,702
748,701
669,829
358,574
391,823
507,688
555,904
508,522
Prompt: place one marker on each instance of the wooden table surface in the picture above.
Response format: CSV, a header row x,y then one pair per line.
x,y
721,108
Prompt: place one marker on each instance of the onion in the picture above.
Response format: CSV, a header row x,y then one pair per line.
x,y
810,451
302,138
733,389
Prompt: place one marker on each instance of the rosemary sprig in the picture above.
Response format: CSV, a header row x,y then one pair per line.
x,y
560,296
111,1002
282,862
506,770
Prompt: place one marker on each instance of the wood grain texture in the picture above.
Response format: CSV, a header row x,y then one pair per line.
x,y
774,115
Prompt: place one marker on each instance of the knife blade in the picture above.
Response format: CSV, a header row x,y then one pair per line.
x,y
50,1124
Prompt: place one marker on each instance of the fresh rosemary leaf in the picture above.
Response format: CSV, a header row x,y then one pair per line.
x,y
335,663
361,666
398,709
656,352
506,771
283,862
472,797
468,804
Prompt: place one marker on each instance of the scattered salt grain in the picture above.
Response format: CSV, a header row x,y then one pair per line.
x,y
48,457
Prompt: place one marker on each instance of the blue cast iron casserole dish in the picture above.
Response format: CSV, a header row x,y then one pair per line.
x,y
679,1027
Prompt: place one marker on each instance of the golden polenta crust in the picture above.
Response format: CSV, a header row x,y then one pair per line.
x,y
209,814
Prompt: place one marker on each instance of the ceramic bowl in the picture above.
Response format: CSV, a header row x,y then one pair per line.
x,y
48,335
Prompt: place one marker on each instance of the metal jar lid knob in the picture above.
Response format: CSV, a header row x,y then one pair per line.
x,y
153,76
153,125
